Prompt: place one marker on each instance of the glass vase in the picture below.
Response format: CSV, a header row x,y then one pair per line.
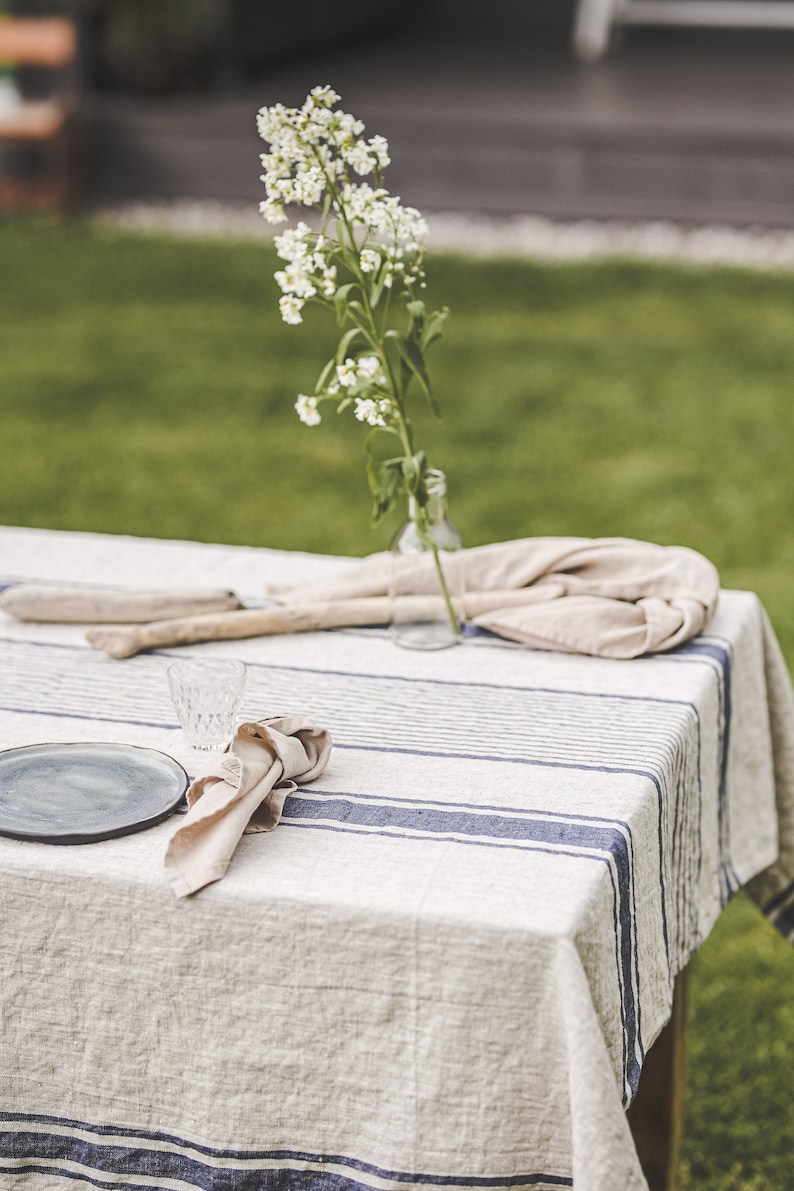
x,y
427,574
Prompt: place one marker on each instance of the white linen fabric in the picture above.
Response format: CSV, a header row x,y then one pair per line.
x,y
446,964
611,597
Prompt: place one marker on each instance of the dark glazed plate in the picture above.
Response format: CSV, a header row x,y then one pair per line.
x,y
82,793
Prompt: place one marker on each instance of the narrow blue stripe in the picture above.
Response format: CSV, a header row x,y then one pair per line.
x,y
93,719
134,1161
62,1172
721,654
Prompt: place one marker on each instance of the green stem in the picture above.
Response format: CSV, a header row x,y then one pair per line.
x,y
423,527
373,333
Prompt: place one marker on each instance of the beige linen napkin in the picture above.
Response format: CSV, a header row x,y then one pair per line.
x,y
612,597
243,790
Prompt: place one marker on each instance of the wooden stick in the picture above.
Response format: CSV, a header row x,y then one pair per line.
x,y
100,605
123,641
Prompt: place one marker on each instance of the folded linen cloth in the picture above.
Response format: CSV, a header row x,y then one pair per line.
x,y
611,597
243,789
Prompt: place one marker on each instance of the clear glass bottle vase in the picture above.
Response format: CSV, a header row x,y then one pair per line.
x,y
427,574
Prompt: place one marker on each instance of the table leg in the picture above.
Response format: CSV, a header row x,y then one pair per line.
x,y
657,1113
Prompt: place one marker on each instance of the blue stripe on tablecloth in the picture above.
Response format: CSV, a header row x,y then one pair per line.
x,y
581,837
720,651
224,1170
780,911
785,922
285,1179
780,898
569,724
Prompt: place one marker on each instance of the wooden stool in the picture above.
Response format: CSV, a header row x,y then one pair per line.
x,y
46,127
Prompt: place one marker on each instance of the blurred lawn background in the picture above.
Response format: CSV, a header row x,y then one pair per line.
x,y
147,386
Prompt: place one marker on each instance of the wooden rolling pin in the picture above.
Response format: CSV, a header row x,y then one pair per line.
x,y
100,605
122,641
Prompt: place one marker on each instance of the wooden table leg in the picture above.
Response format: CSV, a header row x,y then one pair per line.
x,y
656,1116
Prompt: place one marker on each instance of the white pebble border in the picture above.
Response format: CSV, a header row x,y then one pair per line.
x,y
525,236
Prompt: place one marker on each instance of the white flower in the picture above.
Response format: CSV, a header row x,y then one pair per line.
x,y
308,186
367,410
290,308
324,96
272,211
292,244
306,408
294,280
369,260
359,156
374,411
346,373
379,147
308,270
368,368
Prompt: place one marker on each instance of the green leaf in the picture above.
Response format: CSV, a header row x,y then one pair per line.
x,y
376,290
325,375
344,343
433,328
342,300
414,469
373,466
386,484
416,315
411,354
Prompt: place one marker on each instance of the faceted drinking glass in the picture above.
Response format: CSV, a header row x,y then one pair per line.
x,y
206,694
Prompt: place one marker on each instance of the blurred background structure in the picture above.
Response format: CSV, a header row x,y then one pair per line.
x,y
488,109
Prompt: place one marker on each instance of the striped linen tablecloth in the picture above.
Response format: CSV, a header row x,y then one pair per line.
x,y
444,967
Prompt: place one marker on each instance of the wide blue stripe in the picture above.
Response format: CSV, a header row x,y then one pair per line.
x,y
581,840
522,813
654,775
105,1157
545,764
417,816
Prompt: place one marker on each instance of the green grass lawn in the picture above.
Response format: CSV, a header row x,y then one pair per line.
x,y
146,387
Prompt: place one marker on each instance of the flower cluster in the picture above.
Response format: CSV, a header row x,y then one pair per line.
x,y
314,153
308,272
361,379
310,146
361,259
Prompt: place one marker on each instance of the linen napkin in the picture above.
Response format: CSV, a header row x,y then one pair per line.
x,y
611,597
244,789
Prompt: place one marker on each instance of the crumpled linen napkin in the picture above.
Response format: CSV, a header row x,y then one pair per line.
x,y
611,597
244,789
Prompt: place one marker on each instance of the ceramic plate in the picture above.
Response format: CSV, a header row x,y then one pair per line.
x,y
80,793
